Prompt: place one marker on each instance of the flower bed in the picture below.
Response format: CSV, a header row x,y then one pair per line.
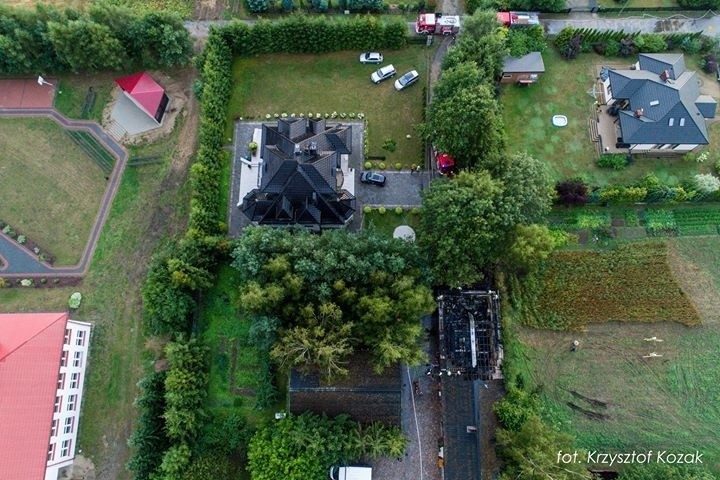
x,y
27,243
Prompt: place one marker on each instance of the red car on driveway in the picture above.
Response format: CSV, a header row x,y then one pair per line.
x,y
445,163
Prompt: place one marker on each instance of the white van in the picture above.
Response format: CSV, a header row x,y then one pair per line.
x,y
350,473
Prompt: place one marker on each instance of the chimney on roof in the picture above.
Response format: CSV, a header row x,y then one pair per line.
x,y
665,75
639,112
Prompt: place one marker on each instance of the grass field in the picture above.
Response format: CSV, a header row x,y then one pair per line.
x,y
73,90
666,402
336,82
182,7
388,221
630,283
50,188
563,89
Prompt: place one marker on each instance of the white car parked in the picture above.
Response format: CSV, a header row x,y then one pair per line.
x,y
406,80
371,57
383,73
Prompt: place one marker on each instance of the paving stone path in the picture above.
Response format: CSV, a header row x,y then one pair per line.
x,y
20,262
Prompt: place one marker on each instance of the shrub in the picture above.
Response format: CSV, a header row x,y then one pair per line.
x,y
398,166
382,210
21,239
415,211
56,281
75,300
398,210
717,167
651,43
612,48
26,282
616,161
4,283
706,183
382,166
367,209
257,6
390,145
572,192
43,280
368,165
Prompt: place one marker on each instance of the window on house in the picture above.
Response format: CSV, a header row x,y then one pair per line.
x,y
65,448
64,358
71,402
58,404
77,359
69,423
75,380
54,429
67,336
507,75
51,452
80,338
61,381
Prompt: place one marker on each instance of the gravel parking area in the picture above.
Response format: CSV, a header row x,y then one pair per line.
x,y
421,423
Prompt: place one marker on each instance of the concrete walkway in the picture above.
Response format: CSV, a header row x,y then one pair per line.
x,y
20,262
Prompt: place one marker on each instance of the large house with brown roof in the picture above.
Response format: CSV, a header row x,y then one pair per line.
x,y
42,375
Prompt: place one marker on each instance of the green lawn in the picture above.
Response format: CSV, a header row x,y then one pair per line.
x,y
73,89
336,82
568,151
667,402
388,221
50,189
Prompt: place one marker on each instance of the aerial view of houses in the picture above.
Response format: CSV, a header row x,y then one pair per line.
x,y
359,240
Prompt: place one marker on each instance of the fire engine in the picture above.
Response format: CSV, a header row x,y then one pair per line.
x,y
437,24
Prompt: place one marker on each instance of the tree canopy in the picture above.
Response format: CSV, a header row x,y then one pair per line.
x,y
304,447
466,223
333,293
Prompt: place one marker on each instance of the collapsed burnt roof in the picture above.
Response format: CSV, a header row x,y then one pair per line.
x,y
469,323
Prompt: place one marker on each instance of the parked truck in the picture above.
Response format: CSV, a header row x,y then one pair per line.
x,y
518,19
437,24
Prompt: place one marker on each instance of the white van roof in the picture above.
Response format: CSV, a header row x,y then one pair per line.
x,y
353,473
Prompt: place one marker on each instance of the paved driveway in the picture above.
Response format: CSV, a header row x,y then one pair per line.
x,y
401,189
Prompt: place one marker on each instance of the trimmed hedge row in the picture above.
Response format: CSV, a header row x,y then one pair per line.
x,y
317,34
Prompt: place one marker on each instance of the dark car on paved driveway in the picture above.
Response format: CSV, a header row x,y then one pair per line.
x,y
373,178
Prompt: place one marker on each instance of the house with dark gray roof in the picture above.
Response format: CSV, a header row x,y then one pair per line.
x,y
523,70
658,105
363,394
302,175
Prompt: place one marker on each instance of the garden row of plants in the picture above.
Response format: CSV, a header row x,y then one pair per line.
x,y
572,41
655,221
702,187
103,37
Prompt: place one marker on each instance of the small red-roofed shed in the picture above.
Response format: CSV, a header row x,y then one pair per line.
x,y
146,94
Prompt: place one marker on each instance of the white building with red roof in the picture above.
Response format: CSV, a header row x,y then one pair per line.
x,y
42,375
